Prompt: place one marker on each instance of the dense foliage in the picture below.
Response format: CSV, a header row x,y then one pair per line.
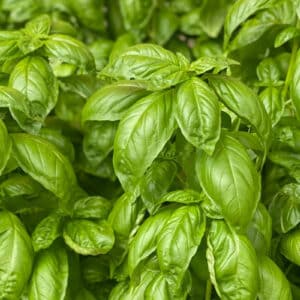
x,y
149,149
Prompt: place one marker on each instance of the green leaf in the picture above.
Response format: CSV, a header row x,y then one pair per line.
x,y
142,134
158,67
273,102
295,85
9,45
16,256
50,275
259,230
198,114
92,207
40,25
285,208
87,237
47,231
5,147
69,50
145,241
136,13
239,12
268,71
158,289
273,283
156,183
232,263
178,242
111,102
44,163
286,35
229,178
244,102
289,246
32,76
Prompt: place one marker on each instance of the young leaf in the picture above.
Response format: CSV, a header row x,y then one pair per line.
x,y
232,263
229,179
158,67
286,35
289,246
272,282
198,114
50,275
141,135
111,102
156,183
87,237
244,102
45,164
32,76
9,45
5,146
295,85
47,231
40,25
69,50
158,289
16,256
178,242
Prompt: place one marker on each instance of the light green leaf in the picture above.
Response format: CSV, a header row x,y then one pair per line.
x,y
290,246
295,85
145,241
111,102
136,13
32,76
229,178
273,283
232,263
69,50
49,280
259,230
92,207
178,242
9,45
87,237
47,231
16,256
244,102
286,35
40,25
5,146
158,67
158,289
285,208
198,114
268,71
141,135
156,183
44,163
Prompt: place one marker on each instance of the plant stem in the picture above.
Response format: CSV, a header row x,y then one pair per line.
x,y
208,290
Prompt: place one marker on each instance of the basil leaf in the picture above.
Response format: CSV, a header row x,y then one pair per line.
x,y
295,85
47,231
32,76
151,118
198,114
158,289
289,246
259,230
273,283
87,237
178,242
239,12
268,71
9,45
69,50
232,263
156,183
242,101
50,275
285,35
229,178
111,102
5,148
40,25
92,207
136,13
285,208
145,241
16,256
45,164
158,67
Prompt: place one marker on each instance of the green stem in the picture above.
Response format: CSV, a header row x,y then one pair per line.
x,y
208,290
